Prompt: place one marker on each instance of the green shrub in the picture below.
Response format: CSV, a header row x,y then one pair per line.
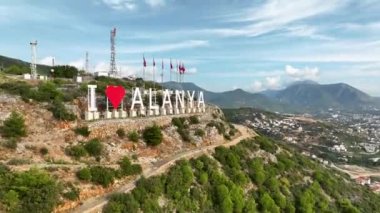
x,y
121,133
94,147
18,161
14,126
82,131
47,91
44,151
76,151
194,119
185,134
199,132
227,137
266,144
60,112
11,143
177,122
232,132
31,191
133,136
102,175
18,88
17,70
72,193
127,168
218,125
65,71
84,174
152,135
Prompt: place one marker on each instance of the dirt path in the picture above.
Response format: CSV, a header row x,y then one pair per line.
x,y
358,171
96,204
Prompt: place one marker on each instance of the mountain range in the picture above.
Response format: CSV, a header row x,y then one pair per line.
x,y
299,97
7,62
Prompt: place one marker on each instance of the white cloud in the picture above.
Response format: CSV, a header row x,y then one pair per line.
x,y
273,82
300,74
307,31
47,61
101,66
191,70
132,4
155,3
276,15
79,64
336,51
371,26
121,4
281,11
269,83
166,47
256,86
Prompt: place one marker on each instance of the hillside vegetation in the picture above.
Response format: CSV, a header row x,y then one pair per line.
x,y
257,175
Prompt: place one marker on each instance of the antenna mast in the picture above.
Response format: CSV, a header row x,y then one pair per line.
x,y
113,70
33,63
87,63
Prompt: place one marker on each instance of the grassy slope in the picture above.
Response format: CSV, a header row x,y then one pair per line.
x,y
247,178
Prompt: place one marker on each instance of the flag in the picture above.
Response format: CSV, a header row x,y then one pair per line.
x,y
162,64
182,68
171,65
144,63
154,63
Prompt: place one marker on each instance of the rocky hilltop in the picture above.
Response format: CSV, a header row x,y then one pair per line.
x,y
61,147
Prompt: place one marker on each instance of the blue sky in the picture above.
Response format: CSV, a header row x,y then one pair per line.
x,y
225,44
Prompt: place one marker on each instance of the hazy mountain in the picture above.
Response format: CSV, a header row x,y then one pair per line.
x,y
233,99
6,62
304,96
315,97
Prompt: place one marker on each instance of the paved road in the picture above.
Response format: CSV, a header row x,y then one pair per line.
x,y
96,204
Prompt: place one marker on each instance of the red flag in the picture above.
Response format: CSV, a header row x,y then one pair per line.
x,y
183,68
171,65
144,63
154,63
162,63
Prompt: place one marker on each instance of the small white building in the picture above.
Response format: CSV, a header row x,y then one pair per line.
x,y
363,180
101,73
339,148
78,79
27,76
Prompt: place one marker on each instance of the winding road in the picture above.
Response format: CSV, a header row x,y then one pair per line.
x,y
95,204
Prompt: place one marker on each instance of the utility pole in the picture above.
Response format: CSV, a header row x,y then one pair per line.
x,y
113,70
33,63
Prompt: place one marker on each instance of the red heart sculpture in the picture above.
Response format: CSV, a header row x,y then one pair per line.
x,y
115,94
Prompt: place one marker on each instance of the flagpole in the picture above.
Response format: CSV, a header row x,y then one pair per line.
x,y
177,72
171,70
162,72
144,65
154,82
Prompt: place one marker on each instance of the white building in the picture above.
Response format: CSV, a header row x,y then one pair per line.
x,y
101,73
339,148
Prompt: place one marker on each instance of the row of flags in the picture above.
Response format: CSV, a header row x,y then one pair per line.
x,y
180,66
